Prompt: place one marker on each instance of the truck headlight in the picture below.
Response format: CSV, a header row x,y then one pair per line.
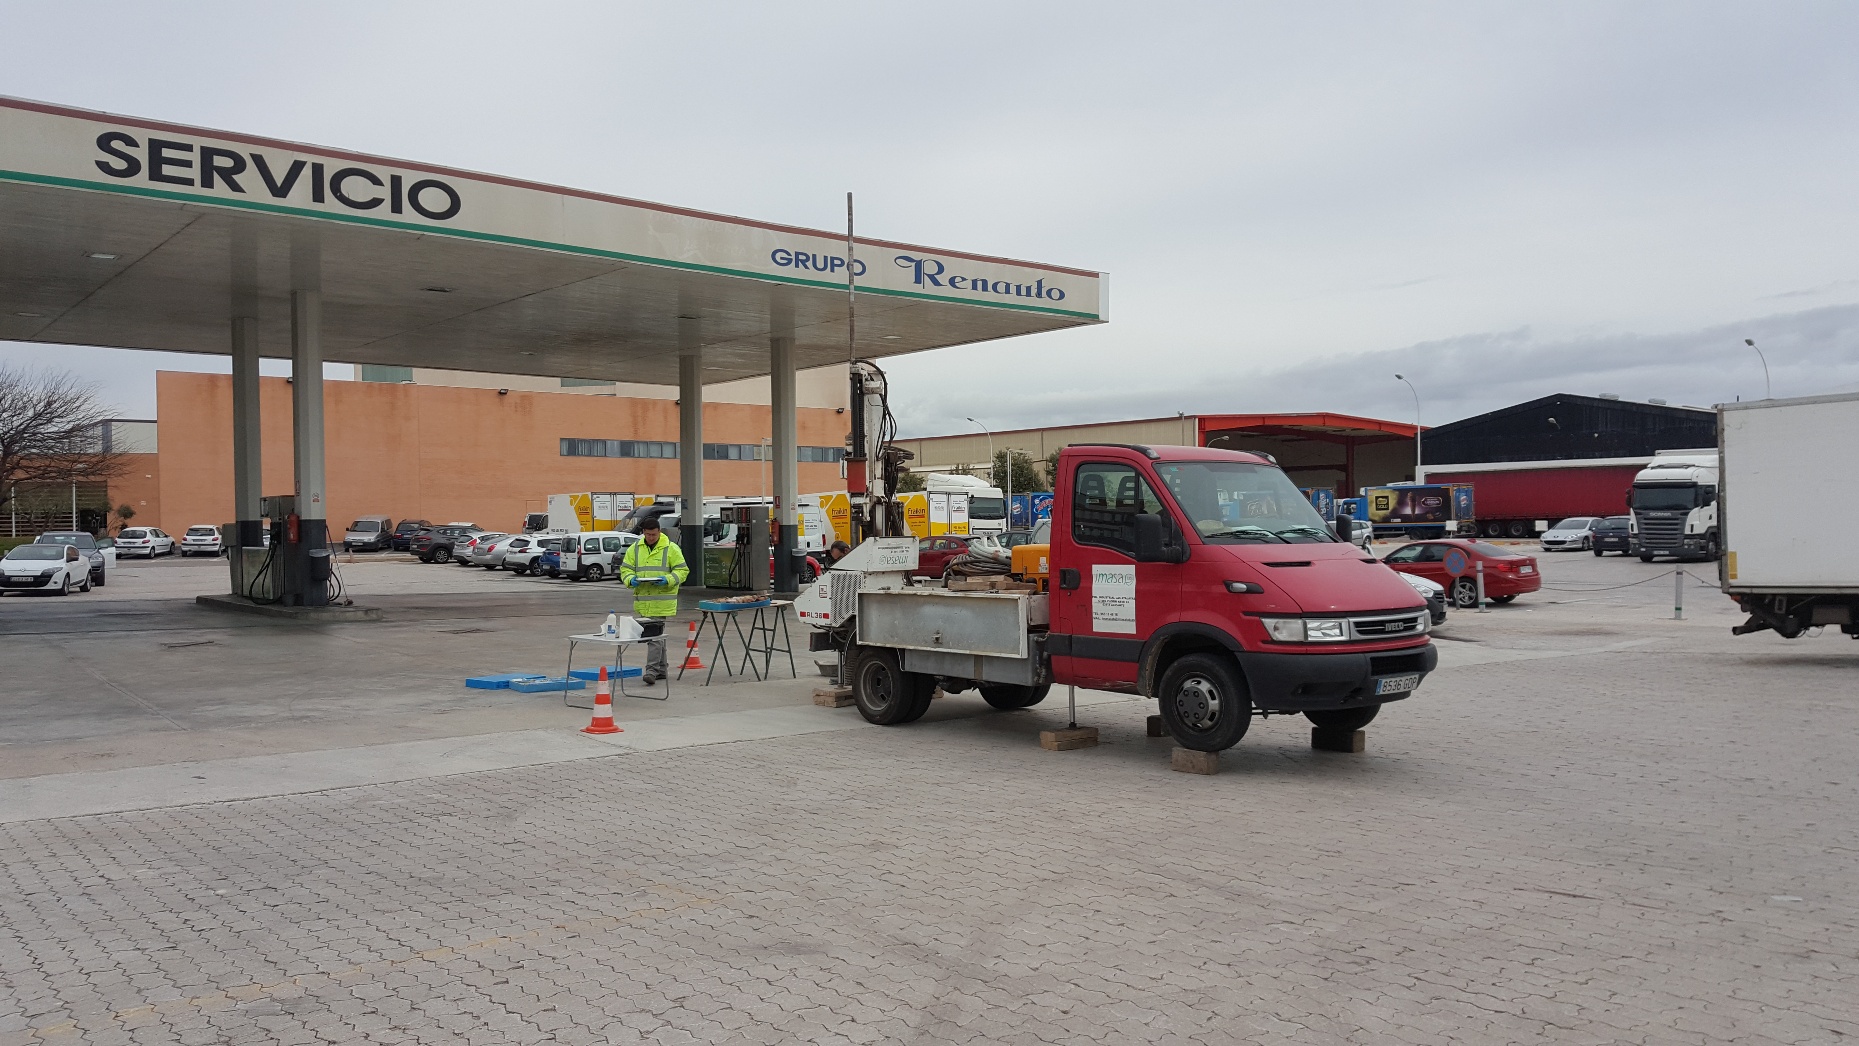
x,y
1307,629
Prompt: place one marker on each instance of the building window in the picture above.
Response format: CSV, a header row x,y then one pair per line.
x,y
618,448
395,375
753,452
582,383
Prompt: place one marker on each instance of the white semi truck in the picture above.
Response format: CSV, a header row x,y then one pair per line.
x,y
1674,505
1787,572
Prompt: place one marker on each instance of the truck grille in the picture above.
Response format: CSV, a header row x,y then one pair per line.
x,y
1658,533
1386,627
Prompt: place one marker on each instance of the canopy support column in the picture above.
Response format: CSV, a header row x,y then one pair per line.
x,y
306,367
247,437
691,445
783,397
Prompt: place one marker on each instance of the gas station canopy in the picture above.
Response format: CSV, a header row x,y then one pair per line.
x,y
132,233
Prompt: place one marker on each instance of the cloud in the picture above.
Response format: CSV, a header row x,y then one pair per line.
x,y
1810,353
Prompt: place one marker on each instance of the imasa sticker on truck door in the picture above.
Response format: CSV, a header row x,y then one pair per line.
x,y
1113,598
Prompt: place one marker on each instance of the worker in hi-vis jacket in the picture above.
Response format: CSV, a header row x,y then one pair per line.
x,y
654,567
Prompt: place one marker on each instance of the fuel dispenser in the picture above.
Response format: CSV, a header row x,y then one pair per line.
x,y
293,568
750,570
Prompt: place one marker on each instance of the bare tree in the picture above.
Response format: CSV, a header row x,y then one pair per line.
x,y
51,431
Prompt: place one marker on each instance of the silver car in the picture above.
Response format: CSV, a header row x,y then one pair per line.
x,y
490,550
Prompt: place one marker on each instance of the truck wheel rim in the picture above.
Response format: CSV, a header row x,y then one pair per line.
x,y
1197,701
878,686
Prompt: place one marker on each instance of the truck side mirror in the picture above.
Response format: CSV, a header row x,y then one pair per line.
x,y
1152,540
1345,529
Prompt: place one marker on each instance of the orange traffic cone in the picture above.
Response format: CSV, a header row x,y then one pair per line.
x,y
603,707
690,651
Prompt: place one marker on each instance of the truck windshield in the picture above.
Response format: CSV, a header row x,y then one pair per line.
x,y
1234,502
1666,497
987,508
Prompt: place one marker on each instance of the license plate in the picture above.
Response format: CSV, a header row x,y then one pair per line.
x,y
1526,570
1397,684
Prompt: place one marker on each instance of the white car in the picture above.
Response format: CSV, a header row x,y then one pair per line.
x,y
46,568
201,539
593,556
1431,591
519,552
147,541
1575,533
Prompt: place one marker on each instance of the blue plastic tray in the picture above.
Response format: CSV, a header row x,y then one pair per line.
x,y
500,681
629,672
543,686
724,608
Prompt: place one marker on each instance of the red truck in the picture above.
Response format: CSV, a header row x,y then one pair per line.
x,y
1201,578
1519,499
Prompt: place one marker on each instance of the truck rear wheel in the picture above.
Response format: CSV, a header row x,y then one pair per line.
x,y
1205,703
1009,696
885,693
1343,718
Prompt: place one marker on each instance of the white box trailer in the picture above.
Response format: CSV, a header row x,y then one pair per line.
x,y
1786,468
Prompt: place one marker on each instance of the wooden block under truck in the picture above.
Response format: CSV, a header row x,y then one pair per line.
x,y
1152,584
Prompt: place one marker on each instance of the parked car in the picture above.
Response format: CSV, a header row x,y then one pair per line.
x,y
402,541
146,541
593,556
369,534
202,539
1614,535
523,555
550,560
934,554
1013,538
1431,591
102,551
465,547
47,568
1575,532
1507,574
488,550
435,544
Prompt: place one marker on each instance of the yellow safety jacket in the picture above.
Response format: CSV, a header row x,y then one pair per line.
x,y
666,559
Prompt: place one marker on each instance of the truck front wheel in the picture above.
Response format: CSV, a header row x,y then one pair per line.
x,y
1009,696
885,693
1343,718
1205,704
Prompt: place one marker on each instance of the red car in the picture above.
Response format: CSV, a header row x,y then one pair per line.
x,y
1453,564
934,554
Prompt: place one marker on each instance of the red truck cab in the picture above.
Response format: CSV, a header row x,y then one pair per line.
x,y
1205,579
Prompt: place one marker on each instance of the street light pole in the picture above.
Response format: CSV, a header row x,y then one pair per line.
x,y
984,428
1768,391
1419,467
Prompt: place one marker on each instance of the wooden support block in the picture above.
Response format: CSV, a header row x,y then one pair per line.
x,y
1156,729
833,696
1188,761
1068,739
1338,740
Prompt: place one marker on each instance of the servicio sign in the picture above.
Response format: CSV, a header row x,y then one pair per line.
x,y
72,148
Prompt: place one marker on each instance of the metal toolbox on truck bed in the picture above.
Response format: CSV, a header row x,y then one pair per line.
x,y
993,624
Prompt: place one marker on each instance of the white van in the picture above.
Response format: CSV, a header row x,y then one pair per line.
x,y
987,506
592,556
816,530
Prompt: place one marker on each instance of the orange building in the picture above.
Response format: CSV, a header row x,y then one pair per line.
x,y
453,453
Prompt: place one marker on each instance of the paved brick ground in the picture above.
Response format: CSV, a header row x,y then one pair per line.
x,y
1651,844
1621,847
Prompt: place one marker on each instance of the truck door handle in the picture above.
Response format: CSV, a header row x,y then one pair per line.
x,y
1068,578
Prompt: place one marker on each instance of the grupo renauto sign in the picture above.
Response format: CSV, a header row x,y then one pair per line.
x,y
52,145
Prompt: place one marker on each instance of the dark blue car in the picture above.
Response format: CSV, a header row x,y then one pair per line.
x,y
1610,535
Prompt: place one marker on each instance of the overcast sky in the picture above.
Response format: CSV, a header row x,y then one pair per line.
x,y
1292,200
